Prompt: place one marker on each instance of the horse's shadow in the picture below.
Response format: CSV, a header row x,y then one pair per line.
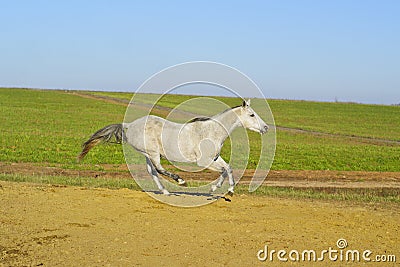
x,y
209,196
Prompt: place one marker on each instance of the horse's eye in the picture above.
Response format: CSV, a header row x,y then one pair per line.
x,y
252,115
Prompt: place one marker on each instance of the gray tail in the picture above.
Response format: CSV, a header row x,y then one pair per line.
x,y
103,135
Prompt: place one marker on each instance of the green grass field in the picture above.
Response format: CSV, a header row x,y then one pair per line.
x,y
50,126
349,119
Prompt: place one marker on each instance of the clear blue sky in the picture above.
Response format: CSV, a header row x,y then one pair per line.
x,y
315,50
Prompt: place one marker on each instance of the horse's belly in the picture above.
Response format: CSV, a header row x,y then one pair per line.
x,y
174,150
177,146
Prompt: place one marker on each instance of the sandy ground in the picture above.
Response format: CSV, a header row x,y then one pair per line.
x,y
42,225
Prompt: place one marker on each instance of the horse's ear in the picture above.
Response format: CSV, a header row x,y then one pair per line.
x,y
246,103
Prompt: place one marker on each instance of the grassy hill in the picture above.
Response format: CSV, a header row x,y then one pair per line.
x,y
49,126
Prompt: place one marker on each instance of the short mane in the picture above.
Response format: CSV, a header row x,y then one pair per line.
x,y
208,118
199,119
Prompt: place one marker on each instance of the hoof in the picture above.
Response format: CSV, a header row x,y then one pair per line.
x,y
165,192
181,182
213,188
230,191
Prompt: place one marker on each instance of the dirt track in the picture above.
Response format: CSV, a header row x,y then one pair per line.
x,y
44,225
305,179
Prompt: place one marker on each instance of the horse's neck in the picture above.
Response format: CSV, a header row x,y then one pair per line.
x,y
229,120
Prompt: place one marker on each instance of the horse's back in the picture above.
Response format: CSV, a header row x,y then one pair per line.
x,y
152,134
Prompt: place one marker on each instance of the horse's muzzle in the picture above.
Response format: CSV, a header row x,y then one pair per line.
x,y
264,129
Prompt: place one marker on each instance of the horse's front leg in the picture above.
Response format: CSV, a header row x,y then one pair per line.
x,y
221,180
221,166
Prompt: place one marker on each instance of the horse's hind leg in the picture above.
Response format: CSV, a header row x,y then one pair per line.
x,y
161,170
174,176
153,172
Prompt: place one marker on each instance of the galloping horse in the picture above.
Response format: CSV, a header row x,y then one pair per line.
x,y
197,141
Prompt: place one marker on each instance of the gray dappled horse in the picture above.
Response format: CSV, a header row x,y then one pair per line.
x,y
198,141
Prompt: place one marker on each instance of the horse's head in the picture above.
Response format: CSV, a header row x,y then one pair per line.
x,y
250,119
